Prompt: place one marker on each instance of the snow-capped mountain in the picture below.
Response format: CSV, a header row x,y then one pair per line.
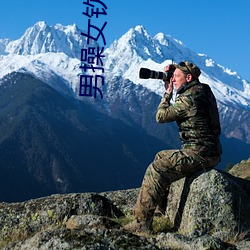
x,y
41,38
137,49
47,51
52,54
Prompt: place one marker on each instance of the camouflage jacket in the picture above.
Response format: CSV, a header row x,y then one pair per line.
x,y
196,113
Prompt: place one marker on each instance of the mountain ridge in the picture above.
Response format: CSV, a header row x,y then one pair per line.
x,y
125,56
56,144
167,50
54,67
42,38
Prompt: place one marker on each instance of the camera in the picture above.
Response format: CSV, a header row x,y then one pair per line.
x,y
145,73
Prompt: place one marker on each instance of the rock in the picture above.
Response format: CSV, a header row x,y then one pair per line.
x,y
241,169
124,199
21,220
63,239
243,245
178,241
212,202
90,221
209,211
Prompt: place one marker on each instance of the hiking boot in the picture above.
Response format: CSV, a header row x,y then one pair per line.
x,y
140,227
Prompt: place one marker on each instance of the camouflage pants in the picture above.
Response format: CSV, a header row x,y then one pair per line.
x,y
167,167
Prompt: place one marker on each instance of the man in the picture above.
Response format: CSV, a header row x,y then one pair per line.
x,y
195,111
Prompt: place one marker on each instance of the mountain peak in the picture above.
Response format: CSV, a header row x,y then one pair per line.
x,y
167,40
133,47
41,24
141,29
67,29
137,49
42,38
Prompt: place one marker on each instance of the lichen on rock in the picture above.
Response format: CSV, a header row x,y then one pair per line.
x,y
211,202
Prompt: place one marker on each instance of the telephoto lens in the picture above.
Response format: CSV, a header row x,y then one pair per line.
x,y
145,73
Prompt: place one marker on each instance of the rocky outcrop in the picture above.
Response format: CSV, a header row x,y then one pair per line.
x,y
241,169
209,210
210,202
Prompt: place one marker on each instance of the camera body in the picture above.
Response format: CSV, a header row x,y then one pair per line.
x,y
146,73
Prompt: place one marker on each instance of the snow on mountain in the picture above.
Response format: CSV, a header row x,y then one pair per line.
x,y
54,51
42,38
45,67
3,43
46,52
137,49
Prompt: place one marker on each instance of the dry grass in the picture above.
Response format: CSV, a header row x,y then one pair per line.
x,y
239,237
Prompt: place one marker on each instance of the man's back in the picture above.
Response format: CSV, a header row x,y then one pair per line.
x,y
200,126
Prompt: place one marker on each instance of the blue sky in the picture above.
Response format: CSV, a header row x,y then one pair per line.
x,y
218,28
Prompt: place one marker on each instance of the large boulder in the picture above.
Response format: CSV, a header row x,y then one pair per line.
x,y
19,221
210,202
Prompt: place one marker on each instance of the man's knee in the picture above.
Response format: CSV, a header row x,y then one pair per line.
x,y
162,160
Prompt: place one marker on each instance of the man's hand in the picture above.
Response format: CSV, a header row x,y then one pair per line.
x,y
168,85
